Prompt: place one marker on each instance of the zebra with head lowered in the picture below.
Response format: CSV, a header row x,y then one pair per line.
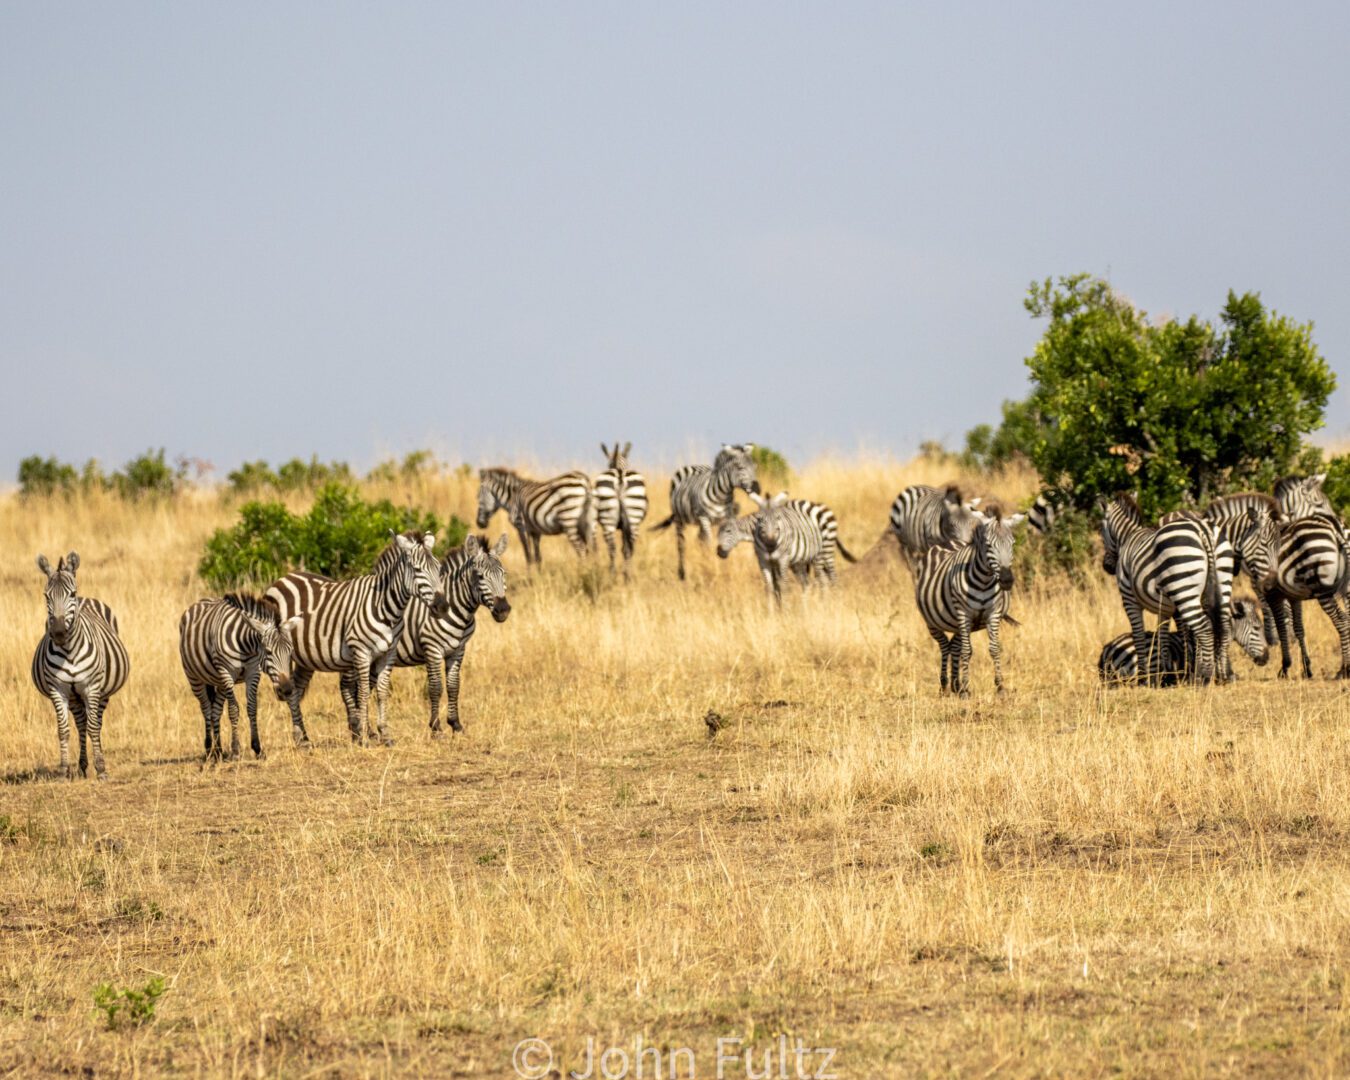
x,y
80,663
224,641
1250,522
705,495
620,502
794,535
923,516
1172,659
1170,569
354,625
1312,565
471,577
560,506
961,589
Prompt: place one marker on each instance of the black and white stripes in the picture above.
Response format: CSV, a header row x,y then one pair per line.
x,y
620,502
560,506
80,663
705,495
788,535
923,516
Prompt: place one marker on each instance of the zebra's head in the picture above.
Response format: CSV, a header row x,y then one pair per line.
x,y
420,570
1248,631
487,567
732,531
492,494
62,603
739,466
616,458
768,524
1302,496
278,650
1118,517
1259,546
993,542
958,517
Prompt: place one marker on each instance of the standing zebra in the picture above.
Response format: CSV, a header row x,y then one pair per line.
x,y
923,516
353,625
967,588
1250,522
705,495
562,505
220,643
1302,496
620,502
794,535
471,577
80,663
1169,569
1312,566
1172,658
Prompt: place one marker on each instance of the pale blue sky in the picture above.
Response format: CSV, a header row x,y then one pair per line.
x,y
266,230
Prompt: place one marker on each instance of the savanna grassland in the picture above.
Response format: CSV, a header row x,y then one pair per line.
x,y
1057,881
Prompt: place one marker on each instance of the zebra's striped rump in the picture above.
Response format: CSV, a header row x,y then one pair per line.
x,y
620,502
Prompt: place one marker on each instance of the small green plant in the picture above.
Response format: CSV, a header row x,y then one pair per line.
x,y
771,468
138,909
46,476
252,477
128,1006
1069,550
149,476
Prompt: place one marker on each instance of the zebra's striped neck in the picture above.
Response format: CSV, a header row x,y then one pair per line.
x,y
392,588
721,486
462,591
505,486
79,634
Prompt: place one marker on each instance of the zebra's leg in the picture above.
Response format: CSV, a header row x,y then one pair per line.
x,y
360,719
629,544
538,554
1144,672
995,650
1223,635
961,643
383,675
252,676
1332,606
1206,665
828,569
79,708
347,689
525,544
225,688
802,571
435,660
94,708
452,666
941,639
299,684
1268,623
202,693
777,572
62,707
609,545
578,541
1296,611
679,546
1280,609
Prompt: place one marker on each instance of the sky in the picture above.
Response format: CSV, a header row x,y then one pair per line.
x,y
510,231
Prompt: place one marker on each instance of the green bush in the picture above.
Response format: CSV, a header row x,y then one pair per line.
x,y
1337,483
46,476
252,477
340,536
1068,550
297,475
127,1005
771,468
149,476
146,475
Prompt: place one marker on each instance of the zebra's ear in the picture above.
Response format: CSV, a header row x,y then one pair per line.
x,y
499,548
429,541
1316,479
44,565
1016,519
975,502
290,626
72,562
779,499
758,499
471,545
1239,609
749,447
626,447
604,450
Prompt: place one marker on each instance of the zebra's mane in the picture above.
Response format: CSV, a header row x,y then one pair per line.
x,y
256,607
498,470
1130,505
952,493
1258,497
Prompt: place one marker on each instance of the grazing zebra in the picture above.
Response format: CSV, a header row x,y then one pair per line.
x,y
80,663
794,535
1172,658
560,506
471,577
923,516
1312,565
705,495
967,588
225,641
353,625
620,502
1169,569
1250,522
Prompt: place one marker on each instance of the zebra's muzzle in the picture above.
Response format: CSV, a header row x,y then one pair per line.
x,y
1005,579
483,519
500,610
440,606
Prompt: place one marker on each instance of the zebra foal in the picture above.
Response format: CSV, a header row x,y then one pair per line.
x,y
222,642
80,663
963,589
620,502
560,506
353,626
705,495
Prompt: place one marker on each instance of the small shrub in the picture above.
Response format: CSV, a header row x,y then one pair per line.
x,y
1068,550
771,468
340,536
252,477
128,1006
46,476
149,476
297,475
1337,483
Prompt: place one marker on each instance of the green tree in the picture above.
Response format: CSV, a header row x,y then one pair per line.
x,y
1179,410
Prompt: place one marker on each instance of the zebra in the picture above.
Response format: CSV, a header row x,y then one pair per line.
x,y
80,663
796,535
705,495
1041,513
1302,496
620,502
354,625
223,641
1172,659
1312,565
562,505
963,588
471,576
923,516
1250,521
1170,569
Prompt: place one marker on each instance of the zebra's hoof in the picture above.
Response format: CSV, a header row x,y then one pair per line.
x,y
101,777
456,726
387,741
303,744
69,770
964,694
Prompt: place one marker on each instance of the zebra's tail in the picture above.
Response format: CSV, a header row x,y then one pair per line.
x,y
848,556
1213,595
1007,618
664,524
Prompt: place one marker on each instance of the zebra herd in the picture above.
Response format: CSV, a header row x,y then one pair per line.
x,y
414,610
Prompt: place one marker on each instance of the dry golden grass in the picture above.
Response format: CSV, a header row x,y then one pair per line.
x,y
1061,881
